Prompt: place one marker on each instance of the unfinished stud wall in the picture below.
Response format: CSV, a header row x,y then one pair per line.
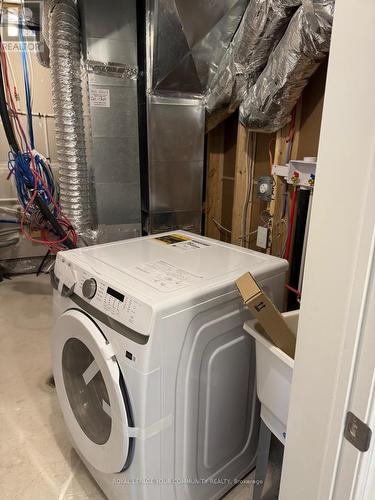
x,y
230,168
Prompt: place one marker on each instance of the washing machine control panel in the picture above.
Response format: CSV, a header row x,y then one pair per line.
x,y
115,303
104,296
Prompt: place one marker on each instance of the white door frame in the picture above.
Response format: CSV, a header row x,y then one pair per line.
x,y
334,314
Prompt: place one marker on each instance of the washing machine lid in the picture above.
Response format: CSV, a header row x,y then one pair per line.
x,y
160,269
91,392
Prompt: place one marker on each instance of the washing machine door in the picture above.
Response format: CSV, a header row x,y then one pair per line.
x,y
91,392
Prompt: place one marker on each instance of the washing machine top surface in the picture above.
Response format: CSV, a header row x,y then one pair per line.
x,y
155,270
171,264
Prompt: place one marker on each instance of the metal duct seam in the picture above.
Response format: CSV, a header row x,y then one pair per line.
x,y
112,69
67,99
269,102
263,25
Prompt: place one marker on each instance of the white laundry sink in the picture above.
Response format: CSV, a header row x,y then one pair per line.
x,y
274,371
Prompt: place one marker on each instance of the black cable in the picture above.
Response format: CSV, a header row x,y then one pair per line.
x,y
45,211
40,268
299,236
9,132
8,128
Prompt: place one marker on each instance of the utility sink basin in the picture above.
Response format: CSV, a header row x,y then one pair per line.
x,y
274,371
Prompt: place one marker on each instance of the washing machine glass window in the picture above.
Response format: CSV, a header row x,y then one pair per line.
x,y
87,400
92,393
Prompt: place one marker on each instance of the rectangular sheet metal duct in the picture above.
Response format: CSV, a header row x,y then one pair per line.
x,y
109,32
175,163
184,43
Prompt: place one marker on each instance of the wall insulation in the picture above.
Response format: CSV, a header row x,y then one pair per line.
x,y
268,103
263,24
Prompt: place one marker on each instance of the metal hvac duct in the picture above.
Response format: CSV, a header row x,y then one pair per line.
x,y
268,103
109,43
262,26
65,52
184,43
95,103
147,65
151,67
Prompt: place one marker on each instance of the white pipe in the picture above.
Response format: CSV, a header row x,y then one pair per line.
x,y
38,115
306,237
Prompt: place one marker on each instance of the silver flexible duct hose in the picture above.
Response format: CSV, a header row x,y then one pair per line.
x,y
47,7
42,54
65,54
268,104
263,25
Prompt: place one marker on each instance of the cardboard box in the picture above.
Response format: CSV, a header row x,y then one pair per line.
x,y
274,326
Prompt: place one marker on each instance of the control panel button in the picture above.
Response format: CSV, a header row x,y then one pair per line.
x,y
89,288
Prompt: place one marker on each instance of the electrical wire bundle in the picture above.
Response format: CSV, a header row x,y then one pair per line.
x,y
37,190
20,166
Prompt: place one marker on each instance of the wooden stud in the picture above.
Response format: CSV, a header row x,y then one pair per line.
x,y
277,203
262,168
214,184
241,176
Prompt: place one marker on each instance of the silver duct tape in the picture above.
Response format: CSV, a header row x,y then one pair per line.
x,y
65,55
269,102
116,70
262,26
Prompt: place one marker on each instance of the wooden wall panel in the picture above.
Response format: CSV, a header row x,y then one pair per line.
x,y
311,114
214,180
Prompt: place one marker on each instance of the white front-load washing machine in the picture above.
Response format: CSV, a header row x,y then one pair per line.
x,y
154,373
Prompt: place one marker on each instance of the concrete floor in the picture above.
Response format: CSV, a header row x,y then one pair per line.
x,y
36,458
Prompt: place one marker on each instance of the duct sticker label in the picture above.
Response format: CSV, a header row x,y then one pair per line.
x,y
163,276
100,98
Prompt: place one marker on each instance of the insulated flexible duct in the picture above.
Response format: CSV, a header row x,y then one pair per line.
x,y
262,26
305,44
47,7
42,54
65,54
